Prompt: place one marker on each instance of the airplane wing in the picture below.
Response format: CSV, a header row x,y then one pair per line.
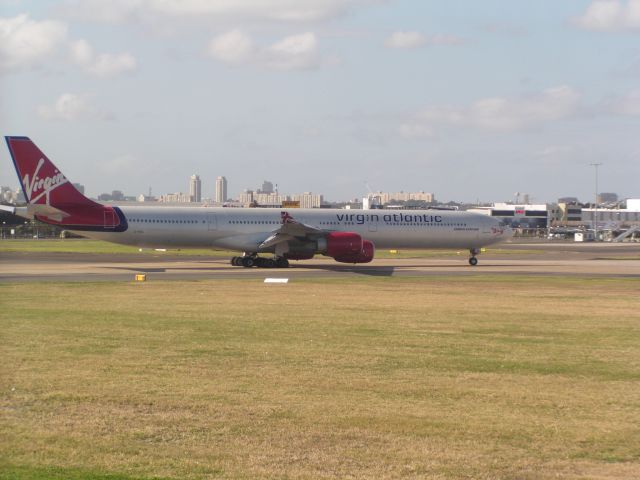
x,y
289,230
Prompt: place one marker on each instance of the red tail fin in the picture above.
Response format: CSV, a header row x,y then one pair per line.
x,y
42,182
44,185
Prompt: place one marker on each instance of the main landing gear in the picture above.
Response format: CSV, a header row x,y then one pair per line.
x,y
253,260
473,261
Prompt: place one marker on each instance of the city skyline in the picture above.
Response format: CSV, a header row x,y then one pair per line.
x,y
480,99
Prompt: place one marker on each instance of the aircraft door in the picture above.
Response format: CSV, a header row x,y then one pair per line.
x,y
373,225
212,223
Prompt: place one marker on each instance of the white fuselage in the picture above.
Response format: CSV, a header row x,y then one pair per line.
x,y
244,229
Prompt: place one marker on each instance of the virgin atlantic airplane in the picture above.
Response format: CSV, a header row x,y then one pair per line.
x,y
348,236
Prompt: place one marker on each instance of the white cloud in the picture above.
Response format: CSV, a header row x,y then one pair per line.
x,y
25,43
71,107
118,11
81,52
295,52
102,65
232,47
411,40
405,40
498,113
610,15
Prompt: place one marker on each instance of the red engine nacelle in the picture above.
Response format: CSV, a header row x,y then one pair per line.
x,y
365,256
348,247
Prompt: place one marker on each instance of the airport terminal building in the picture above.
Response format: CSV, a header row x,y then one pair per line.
x,y
625,214
527,217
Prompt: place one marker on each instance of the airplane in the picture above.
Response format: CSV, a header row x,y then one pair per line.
x,y
348,236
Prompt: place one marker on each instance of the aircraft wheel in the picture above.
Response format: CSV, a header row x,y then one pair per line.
x,y
248,262
282,263
262,262
235,262
269,263
473,261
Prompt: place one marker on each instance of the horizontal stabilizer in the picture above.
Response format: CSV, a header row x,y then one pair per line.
x,y
30,211
7,208
47,211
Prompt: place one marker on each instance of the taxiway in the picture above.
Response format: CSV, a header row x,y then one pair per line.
x,y
597,260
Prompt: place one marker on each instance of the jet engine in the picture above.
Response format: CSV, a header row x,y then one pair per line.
x,y
347,247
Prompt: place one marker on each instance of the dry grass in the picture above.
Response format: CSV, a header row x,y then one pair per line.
x,y
375,378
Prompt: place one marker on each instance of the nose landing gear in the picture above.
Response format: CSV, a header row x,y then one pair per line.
x,y
473,261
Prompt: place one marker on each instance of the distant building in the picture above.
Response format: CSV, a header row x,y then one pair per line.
x,y
177,197
576,215
568,200
146,198
221,190
308,200
518,216
79,187
246,197
633,204
370,202
195,188
383,198
251,198
607,197
267,187
614,217
114,196
569,213
269,199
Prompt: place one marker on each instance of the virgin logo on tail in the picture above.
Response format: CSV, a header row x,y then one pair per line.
x,y
286,218
48,184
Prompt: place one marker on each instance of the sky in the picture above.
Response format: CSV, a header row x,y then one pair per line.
x,y
473,100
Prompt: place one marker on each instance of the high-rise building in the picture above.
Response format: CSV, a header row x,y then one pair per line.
x,y
221,189
195,188
267,187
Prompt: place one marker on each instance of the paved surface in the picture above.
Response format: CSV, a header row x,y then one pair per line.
x,y
610,260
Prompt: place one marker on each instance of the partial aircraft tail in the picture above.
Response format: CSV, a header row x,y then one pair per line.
x,y
52,198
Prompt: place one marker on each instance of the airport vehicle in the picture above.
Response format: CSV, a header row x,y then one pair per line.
x,y
348,236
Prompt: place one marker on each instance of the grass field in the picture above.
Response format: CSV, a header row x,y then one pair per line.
x,y
453,377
